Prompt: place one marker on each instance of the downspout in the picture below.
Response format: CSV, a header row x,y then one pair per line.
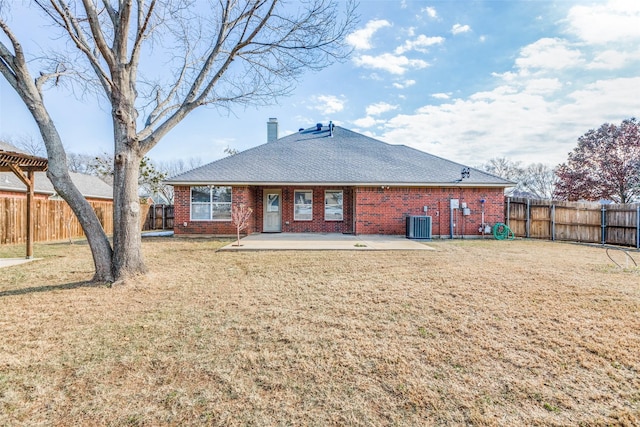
x,y
353,210
450,220
438,215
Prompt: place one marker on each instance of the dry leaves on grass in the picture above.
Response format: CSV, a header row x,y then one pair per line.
x,y
482,333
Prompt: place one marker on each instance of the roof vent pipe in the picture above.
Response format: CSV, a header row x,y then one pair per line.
x,y
330,128
272,129
318,126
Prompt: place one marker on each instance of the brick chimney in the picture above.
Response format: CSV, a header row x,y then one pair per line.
x,y
272,129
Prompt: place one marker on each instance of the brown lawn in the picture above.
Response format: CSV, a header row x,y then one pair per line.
x,y
473,333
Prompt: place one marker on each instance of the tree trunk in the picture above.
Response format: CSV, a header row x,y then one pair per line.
x,y
127,244
58,173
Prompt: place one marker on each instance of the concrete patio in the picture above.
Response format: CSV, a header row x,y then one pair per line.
x,y
324,241
8,262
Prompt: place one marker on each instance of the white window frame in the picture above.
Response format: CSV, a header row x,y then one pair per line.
x,y
210,204
327,205
296,204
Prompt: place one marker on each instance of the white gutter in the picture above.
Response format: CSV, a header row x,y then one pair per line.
x,y
341,184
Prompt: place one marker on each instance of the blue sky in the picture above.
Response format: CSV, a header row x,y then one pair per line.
x,y
464,80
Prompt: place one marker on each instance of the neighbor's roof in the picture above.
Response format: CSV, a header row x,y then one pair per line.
x,y
13,156
341,157
4,146
90,186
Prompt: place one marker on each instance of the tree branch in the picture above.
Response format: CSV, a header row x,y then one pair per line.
x,y
6,64
143,22
113,16
96,31
73,28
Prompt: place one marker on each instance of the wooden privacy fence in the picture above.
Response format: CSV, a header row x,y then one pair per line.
x,y
574,221
52,220
160,217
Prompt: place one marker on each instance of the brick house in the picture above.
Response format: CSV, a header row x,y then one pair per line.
x,y
328,179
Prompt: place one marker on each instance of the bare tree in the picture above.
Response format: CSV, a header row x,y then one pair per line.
x,y
240,217
223,54
80,163
504,168
535,179
540,180
29,144
173,168
13,67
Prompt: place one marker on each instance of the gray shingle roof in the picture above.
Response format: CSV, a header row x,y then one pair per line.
x,y
89,186
344,158
4,146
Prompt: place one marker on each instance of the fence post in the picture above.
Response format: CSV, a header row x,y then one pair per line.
x,y
528,223
638,226
603,225
553,223
164,216
508,210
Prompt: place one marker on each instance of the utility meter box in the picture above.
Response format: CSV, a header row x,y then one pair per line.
x,y
466,211
454,203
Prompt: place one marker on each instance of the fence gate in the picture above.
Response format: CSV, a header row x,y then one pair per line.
x,y
160,217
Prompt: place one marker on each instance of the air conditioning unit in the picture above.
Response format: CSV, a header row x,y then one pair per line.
x,y
418,227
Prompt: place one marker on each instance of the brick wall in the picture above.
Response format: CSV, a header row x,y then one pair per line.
x,y
384,210
253,197
182,215
378,211
317,224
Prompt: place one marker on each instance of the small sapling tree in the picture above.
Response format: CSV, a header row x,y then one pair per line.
x,y
240,217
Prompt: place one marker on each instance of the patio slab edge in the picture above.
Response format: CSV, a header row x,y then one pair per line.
x,y
323,242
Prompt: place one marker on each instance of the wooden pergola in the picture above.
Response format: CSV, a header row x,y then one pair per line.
x,y
23,166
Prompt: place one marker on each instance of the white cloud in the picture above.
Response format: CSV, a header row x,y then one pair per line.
x,y
610,60
393,64
367,122
459,29
430,12
379,108
405,84
549,54
532,123
420,43
361,39
615,21
543,86
328,104
601,101
441,95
